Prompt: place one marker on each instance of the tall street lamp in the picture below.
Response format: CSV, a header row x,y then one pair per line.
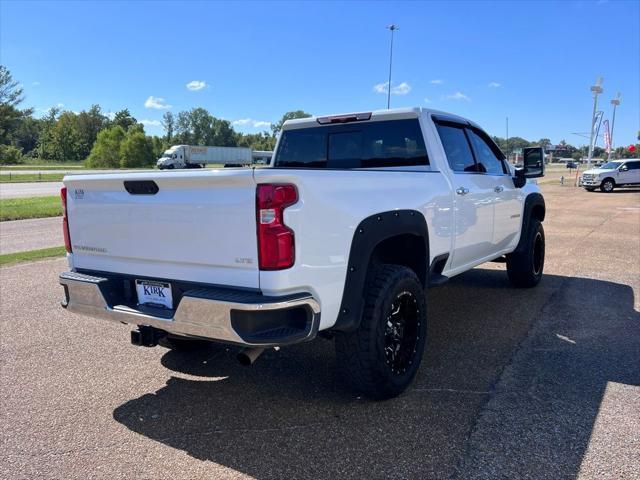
x,y
393,28
596,90
615,102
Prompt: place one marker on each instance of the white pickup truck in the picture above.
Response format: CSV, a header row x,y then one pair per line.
x,y
339,237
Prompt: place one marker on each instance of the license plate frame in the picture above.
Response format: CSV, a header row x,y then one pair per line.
x,y
154,293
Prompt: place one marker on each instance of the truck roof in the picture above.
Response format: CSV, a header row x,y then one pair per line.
x,y
376,115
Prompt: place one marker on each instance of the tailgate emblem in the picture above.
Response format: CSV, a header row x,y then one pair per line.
x,y
244,260
78,194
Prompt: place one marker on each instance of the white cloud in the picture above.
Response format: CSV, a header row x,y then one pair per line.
x,y
426,100
249,122
111,115
151,123
35,84
494,85
437,81
195,85
156,102
60,105
457,96
400,89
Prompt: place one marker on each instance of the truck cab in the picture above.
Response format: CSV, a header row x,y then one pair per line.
x,y
174,157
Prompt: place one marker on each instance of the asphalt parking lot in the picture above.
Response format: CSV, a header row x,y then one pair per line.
x,y
541,383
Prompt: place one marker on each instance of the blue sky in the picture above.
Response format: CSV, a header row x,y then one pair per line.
x,y
251,62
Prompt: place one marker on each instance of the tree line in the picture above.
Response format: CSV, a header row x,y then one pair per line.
x,y
110,141
119,140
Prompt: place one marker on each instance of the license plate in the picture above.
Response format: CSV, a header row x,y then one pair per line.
x,y
154,293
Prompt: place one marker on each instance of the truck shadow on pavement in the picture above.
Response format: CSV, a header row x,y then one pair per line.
x,y
290,416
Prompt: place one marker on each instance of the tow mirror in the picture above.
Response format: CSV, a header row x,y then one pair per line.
x,y
533,162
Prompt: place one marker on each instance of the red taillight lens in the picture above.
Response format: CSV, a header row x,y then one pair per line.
x,y
65,220
276,248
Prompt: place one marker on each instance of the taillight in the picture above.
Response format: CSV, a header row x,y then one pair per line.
x,y
276,248
65,220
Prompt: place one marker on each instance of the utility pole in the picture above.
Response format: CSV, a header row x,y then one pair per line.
x,y
615,102
393,28
597,90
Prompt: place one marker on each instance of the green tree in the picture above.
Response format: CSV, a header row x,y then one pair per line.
x,y
10,89
124,119
136,150
46,148
275,128
11,95
168,123
106,150
88,124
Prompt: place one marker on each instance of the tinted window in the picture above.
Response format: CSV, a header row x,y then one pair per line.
x,y
486,158
456,147
633,165
354,145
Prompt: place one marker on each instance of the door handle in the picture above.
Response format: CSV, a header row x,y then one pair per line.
x,y
498,189
462,191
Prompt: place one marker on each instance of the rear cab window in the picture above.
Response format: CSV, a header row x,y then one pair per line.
x,y
371,144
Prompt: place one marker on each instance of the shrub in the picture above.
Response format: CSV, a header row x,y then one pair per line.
x,y
10,155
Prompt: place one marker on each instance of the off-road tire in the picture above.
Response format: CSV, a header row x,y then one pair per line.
x,y
183,344
364,356
525,267
607,185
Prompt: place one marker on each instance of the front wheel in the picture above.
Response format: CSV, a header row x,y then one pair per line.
x,y
608,185
381,358
590,189
525,267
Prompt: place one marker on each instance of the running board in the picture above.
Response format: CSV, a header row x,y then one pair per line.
x,y
437,280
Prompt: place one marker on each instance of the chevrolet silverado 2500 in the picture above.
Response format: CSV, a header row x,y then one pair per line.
x,y
339,237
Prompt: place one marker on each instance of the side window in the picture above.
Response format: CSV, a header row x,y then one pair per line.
x,y
488,161
633,165
456,147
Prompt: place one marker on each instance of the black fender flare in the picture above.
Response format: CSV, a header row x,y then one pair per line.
x,y
368,234
534,206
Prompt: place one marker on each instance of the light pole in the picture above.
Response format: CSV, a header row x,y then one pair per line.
x,y
597,90
393,28
615,102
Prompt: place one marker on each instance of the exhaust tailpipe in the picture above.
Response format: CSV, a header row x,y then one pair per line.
x,y
248,356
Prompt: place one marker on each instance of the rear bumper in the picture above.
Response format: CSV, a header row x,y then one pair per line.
x,y
222,314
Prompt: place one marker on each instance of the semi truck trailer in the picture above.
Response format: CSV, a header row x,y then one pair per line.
x,y
187,156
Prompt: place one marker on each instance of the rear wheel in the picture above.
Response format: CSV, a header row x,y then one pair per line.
x,y
381,358
525,267
608,185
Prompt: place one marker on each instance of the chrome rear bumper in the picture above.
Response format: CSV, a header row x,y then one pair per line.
x,y
227,315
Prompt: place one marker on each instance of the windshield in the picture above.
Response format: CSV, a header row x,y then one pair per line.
x,y
610,165
166,154
357,145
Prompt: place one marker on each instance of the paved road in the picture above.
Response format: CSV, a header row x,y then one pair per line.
x,y
29,189
22,235
540,383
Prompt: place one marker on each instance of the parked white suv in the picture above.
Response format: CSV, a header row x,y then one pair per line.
x,y
357,215
617,173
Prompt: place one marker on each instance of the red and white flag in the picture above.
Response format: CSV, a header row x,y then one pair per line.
x,y
607,136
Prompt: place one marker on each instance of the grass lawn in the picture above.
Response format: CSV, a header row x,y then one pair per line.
x,y
34,207
11,258
31,177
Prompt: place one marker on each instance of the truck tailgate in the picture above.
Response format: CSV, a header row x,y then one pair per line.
x,y
199,226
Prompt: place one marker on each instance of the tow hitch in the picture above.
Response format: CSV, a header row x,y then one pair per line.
x,y
146,336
